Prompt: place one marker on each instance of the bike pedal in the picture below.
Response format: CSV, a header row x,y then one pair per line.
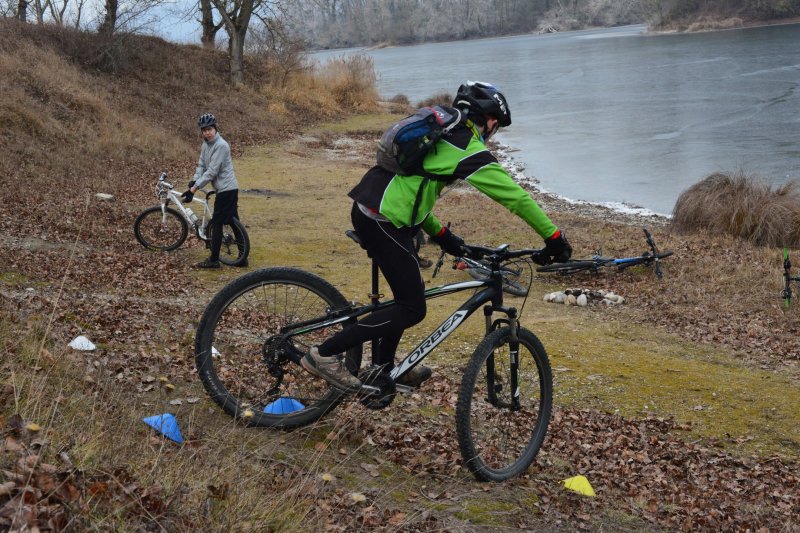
x,y
369,389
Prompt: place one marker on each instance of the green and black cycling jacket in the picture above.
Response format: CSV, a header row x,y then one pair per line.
x,y
464,156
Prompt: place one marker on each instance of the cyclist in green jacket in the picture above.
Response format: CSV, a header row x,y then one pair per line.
x,y
381,214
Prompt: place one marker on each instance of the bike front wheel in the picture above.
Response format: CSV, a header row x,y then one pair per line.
x,y
245,363
160,231
504,405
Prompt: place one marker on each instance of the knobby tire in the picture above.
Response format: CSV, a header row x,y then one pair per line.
x,y
235,246
237,354
498,441
161,234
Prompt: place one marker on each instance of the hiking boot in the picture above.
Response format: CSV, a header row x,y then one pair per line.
x,y
331,369
415,376
208,263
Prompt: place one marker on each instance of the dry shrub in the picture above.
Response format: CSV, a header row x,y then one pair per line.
x,y
325,90
445,99
352,82
741,206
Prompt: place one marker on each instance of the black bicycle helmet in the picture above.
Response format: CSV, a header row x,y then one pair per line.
x,y
481,99
207,120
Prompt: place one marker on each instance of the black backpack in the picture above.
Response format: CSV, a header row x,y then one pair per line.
x,y
404,145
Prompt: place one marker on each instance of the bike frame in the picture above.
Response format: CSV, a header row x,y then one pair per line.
x,y
167,193
492,293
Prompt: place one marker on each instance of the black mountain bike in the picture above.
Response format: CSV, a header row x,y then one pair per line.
x,y
255,331
596,262
786,293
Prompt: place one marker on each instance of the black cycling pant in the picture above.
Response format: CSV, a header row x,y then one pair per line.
x,y
393,250
225,210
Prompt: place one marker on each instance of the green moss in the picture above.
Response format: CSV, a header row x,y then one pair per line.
x,y
12,277
488,512
638,371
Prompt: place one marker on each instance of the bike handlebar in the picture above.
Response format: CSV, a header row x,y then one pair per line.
x,y
501,253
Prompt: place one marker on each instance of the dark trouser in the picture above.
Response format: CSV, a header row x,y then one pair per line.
x,y
225,210
393,250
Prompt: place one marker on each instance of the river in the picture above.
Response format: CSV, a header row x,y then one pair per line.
x,y
617,116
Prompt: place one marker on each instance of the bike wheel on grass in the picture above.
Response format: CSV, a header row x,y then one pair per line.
x,y
247,367
643,260
235,244
160,231
569,267
503,412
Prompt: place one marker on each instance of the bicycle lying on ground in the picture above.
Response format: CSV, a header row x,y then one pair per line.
x,y
596,262
786,293
164,228
255,331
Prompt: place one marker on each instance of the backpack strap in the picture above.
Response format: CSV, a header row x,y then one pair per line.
x,y
427,176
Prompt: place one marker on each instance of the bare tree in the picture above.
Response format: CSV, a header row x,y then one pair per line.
x,y
22,10
109,23
209,27
236,15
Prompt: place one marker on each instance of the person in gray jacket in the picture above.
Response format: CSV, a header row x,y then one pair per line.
x,y
215,167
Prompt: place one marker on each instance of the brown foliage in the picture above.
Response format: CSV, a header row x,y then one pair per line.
x,y
739,205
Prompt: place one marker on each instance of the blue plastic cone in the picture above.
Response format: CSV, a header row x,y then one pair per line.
x,y
165,424
283,406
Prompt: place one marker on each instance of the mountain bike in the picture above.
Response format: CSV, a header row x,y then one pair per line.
x,y
164,228
786,293
254,332
597,262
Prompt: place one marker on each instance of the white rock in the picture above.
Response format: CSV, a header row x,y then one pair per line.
x,y
571,300
104,197
620,299
559,297
82,343
548,297
609,302
582,300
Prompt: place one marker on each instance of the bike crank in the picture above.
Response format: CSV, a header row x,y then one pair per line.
x,y
378,389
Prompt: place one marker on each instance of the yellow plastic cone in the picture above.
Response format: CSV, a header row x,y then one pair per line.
x,y
580,485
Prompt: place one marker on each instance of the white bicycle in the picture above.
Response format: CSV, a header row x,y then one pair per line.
x,y
165,227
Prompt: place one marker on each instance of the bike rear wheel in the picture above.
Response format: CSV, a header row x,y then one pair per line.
x,y
247,367
569,267
502,413
235,246
161,232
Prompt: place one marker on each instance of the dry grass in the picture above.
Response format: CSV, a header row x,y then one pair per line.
x,y
445,99
743,207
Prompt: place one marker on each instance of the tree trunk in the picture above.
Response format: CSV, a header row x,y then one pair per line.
x,y
109,23
22,10
207,23
236,54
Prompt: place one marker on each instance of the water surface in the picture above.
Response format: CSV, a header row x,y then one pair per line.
x,y
616,115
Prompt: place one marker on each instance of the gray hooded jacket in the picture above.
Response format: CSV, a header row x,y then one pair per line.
x,y
216,166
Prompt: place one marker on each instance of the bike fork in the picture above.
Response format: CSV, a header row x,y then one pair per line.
x,y
492,387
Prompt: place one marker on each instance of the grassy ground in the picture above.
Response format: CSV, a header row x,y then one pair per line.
x,y
619,372
679,406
